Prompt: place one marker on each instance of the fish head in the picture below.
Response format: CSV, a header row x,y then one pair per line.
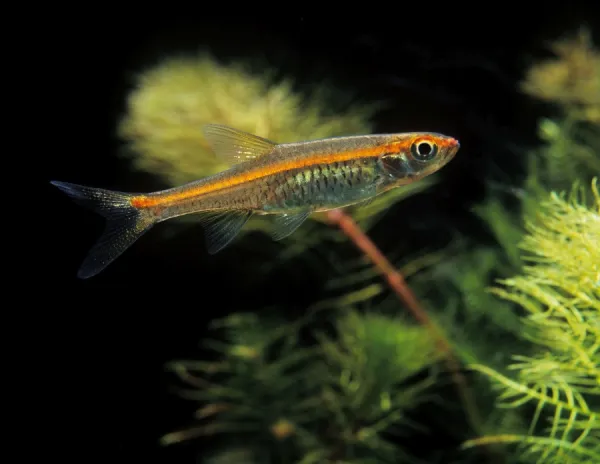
x,y
416,155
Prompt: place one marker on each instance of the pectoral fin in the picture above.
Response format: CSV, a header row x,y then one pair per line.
x,y
286,224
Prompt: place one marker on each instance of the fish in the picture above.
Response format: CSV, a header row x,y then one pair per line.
x,y
288,181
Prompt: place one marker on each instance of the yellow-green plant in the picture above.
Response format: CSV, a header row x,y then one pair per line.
x,y
339,400
559,291
571,79
570,151
172,101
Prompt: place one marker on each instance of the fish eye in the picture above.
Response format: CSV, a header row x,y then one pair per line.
x,y
424,150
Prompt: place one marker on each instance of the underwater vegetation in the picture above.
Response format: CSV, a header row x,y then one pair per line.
x,y
571,79
358,379
559,291
174,100
352,392
310,404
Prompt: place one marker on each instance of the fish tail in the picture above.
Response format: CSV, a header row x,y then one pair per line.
x,y
124,223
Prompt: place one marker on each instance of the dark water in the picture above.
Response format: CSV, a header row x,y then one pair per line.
x,y
106,339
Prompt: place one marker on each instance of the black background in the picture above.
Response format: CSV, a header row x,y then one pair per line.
x,y
99,345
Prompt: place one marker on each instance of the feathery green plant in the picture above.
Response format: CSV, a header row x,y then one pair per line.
x,y
262,391
572,140
370,363
570,152
560,292
275,400
487,330
340,400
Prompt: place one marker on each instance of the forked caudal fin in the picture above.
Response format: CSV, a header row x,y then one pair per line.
x,y
124,224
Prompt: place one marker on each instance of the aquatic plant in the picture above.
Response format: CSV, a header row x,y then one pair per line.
x,y
570,151
483,329
572,79
172,101
571,82
342,397
262,389
371,366
275,400
559,290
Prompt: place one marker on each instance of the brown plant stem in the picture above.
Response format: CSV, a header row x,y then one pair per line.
x,y
401,288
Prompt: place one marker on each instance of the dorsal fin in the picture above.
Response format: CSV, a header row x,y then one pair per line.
x,y
233,146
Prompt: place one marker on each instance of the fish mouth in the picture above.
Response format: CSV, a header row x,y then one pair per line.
x,y
452,146
452,143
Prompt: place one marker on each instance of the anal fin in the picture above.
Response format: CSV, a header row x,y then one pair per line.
x,y
286,224
220,228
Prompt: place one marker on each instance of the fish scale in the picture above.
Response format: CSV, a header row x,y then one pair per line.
x,y
321,185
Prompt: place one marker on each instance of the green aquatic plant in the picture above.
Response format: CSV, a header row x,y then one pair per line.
x,y
570,150
370,362
486,330
340,401
275,396
474,322
262,390
559,291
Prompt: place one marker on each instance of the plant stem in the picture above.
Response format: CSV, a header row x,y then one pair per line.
x,y
403,291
